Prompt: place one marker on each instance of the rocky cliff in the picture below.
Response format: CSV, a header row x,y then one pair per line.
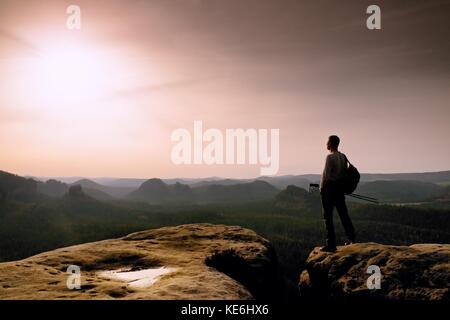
x,y
417,272
196,261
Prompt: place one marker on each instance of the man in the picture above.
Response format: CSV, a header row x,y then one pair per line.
x,y
333,196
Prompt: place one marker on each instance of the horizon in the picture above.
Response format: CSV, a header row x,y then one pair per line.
x,y
209,177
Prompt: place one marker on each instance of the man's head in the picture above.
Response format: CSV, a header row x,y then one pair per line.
x,y
333,143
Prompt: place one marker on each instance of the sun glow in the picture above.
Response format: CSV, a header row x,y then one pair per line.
x,y
72,73
72,87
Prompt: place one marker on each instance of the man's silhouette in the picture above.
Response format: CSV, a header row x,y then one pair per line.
x,y
332,194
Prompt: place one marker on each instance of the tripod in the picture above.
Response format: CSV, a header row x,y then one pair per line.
x,y
314,187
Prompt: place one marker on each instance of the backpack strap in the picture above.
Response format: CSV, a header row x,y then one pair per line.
x,y
347,160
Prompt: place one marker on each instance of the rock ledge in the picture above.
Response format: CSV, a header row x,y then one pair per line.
x,y
417,272
208,260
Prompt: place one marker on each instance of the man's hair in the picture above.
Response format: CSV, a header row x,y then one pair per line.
x,y
334,141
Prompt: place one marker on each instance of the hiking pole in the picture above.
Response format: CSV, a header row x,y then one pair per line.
x,y
314,186
366,197
361,197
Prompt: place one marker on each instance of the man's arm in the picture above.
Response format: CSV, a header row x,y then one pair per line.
x,y
325,173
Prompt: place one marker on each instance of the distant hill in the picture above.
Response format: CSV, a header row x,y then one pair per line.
x,y
220,182
86,183
153,191
385,191
235,193
181,193
396,187
76,192
56,189
97,194
52,188
105,192
123,182
294,197
123,186
66,180
17,188
283,181
280,182
156,191
432,177
191,181
303,181
136,183
401,191
440,177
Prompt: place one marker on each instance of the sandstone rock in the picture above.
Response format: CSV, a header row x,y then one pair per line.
x,y
417,272
197,252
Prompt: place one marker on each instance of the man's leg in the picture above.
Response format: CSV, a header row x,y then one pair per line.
x,y
327,204
345,218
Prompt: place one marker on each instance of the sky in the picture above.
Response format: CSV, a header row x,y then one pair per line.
x,y
104,100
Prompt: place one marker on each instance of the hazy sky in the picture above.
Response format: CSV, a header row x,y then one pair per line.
x,y
104,100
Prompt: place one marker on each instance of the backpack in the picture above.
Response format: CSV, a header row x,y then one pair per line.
x,y
351,178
